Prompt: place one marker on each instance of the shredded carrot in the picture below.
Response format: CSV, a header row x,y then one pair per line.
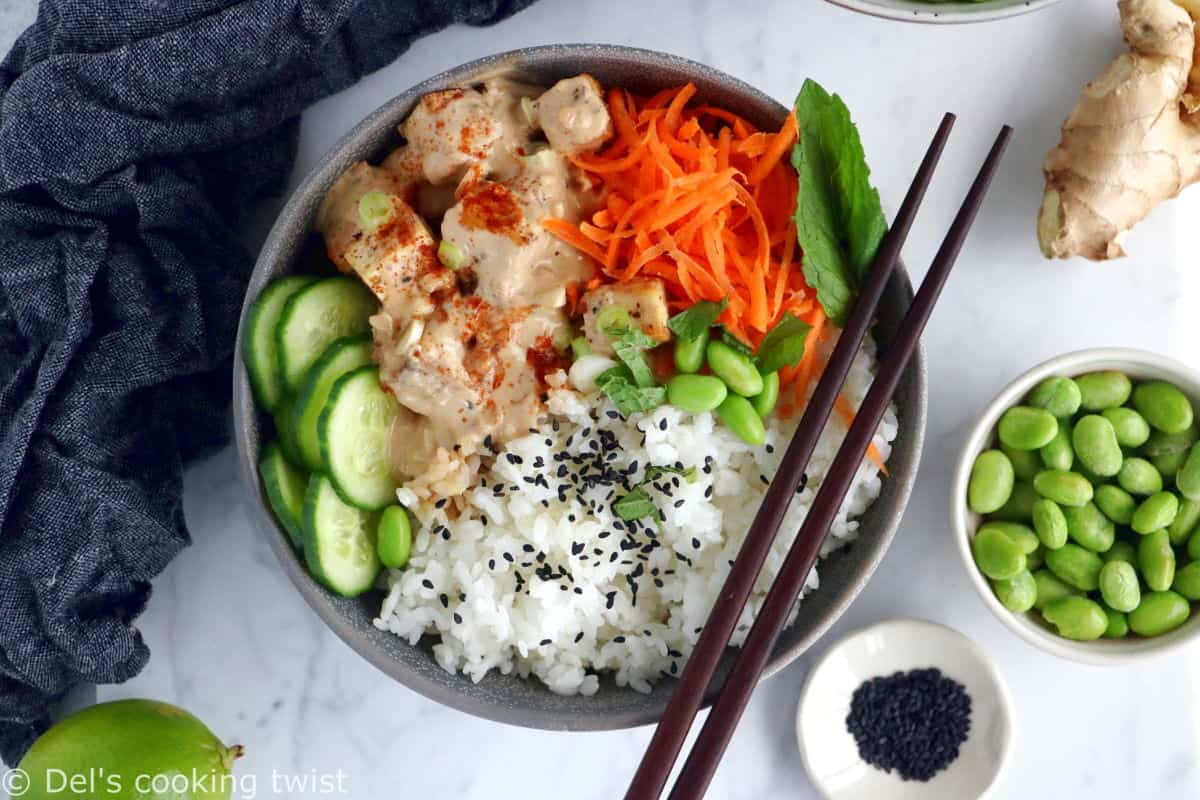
x,y
847,414
702,199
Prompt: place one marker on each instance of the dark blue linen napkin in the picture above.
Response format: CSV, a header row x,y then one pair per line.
x,y
134,134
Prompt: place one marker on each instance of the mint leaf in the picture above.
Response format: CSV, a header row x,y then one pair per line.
x,y
784,344
839,220
691,323
618,384
653,472
628,344
736,343
634,504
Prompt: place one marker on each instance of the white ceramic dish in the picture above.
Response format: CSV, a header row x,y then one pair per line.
x,y
952,13
1139,365
828,750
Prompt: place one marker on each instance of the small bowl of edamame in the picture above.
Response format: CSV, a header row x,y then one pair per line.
x,y
1076,505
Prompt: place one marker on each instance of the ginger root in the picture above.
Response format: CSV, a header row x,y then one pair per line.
x,y
1133,140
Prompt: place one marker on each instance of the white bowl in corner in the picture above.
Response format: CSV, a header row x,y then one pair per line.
x,y
1138,365
910,11
828,750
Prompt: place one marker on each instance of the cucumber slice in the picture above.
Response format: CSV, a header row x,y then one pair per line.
x,y
284,432
314,317
339,543
338,359
285,486
258,344
355,429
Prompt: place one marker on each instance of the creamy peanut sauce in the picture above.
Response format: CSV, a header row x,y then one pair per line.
x,y
466,351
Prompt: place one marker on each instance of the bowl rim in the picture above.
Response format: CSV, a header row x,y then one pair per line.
x,y
325,169
912,626
1143,364
959,14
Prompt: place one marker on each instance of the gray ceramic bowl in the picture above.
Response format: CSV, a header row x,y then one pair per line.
x,y
507,698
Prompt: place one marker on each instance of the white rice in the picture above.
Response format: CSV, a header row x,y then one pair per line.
x,y
462,583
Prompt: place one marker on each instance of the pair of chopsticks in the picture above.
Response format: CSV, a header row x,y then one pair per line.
x,y
667,742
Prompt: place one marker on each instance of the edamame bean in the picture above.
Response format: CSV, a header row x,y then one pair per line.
x,y
1036,559
1023,535
1155,513
1026,428
1162,444
1187,478
689,353
1017,593
1193,545
738,371
1118,625
1156,560
1050,524
1121,551
1065,488
1075,566
996,555
991,483
1101,390
1019,507
1050,588
1025,463
741,418
764,402
1089,528
1119,586
1076,618
1168,465
1138,476
1158,613
1060,396
696,393
1164,406
1115,503
1131,427
1095,444
1187,581
1185,522
393,540
1058,453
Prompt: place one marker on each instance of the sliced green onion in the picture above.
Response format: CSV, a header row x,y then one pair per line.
x,y
580,347
374,209
451,255
611,318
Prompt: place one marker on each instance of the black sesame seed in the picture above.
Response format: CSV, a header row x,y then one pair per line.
x,y
619,639
445,600
441,503
457,618
509,558
610,598
913,722
428,584
545,642
763,478
579,637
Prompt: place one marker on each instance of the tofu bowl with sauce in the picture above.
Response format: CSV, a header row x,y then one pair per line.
x,y
506,442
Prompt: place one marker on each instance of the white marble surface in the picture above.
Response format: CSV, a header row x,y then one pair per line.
x,y
234,643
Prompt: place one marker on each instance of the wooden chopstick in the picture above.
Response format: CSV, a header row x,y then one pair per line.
x,y
714,736
667,741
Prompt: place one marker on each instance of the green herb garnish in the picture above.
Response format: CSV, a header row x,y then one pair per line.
x,y
736,343
691,323
784,344
839,220
629,343
620,386
636,503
